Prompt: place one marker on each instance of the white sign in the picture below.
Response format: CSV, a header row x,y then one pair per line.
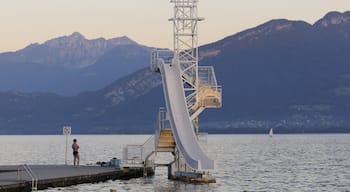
x,y
67,130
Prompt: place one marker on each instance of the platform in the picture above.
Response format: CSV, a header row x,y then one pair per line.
x,y
61,176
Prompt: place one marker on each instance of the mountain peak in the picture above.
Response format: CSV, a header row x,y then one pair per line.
x,y
334,18
73,51
124,40
65,40
77,35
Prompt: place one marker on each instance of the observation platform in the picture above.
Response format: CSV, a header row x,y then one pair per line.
x,y
14,179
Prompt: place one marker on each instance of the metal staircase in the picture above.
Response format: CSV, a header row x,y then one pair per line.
x,y
164,138
166,141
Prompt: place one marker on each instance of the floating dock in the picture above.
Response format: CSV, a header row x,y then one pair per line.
x,y
17,178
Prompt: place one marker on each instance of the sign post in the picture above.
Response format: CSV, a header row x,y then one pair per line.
x,y
67,130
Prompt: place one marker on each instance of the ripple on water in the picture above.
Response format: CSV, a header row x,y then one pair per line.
x,y
244,162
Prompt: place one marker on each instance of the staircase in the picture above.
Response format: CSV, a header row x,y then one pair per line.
x,y
166,141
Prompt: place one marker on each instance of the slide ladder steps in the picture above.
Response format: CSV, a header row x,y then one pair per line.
x,y
166,141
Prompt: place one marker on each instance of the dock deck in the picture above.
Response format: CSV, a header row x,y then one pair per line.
x,y
60,176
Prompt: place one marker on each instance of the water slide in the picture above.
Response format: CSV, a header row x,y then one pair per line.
x,y
182,127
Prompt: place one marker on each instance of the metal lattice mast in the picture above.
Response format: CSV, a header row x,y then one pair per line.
x,y
180,68
186,44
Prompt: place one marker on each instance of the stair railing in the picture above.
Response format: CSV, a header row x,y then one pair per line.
x,y
30,173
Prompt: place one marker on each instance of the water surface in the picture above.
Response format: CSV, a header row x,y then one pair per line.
x,y
243,162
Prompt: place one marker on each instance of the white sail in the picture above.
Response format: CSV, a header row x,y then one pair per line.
x,y
271,132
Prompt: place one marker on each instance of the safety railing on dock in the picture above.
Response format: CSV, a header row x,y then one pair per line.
x,y
132,156
30,173
138,155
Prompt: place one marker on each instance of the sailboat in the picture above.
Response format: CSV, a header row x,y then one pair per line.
x,y
271,132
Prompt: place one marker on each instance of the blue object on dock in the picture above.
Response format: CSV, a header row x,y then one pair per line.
x,y
115,162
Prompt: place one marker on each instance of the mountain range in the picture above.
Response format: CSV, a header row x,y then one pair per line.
x,y
71,64
290,75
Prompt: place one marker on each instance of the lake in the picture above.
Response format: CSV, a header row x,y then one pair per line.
x,y
243,162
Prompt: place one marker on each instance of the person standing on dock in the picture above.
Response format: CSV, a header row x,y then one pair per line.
x,y
75,148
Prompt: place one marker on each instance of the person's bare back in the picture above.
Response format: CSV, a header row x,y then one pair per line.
x,y
75,148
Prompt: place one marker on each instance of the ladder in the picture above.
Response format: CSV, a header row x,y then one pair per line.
x,y
29,171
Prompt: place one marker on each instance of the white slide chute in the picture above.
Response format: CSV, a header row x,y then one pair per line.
x,y
181,124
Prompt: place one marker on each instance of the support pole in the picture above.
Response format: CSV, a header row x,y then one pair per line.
x,y
67,130
66,156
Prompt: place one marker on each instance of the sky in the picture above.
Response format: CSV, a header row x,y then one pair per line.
x,y
23,22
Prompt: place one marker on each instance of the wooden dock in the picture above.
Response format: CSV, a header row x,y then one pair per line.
x,y
60,176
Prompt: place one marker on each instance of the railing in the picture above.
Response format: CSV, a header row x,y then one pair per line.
x,y
206,97
162,123
161,120
208,94
147,149
206,75
132,156
30,173
160,55
138,154
165,55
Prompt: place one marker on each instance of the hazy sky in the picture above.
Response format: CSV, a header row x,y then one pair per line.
x,y
28,21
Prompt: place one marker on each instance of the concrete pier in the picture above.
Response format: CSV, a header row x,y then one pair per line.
x,y
61,176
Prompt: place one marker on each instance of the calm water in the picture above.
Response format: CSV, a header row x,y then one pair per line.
x,y
244,162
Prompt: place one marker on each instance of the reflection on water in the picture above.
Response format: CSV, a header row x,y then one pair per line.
x,y
244,162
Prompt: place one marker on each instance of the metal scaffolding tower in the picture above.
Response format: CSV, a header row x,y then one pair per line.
x,y
185,29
